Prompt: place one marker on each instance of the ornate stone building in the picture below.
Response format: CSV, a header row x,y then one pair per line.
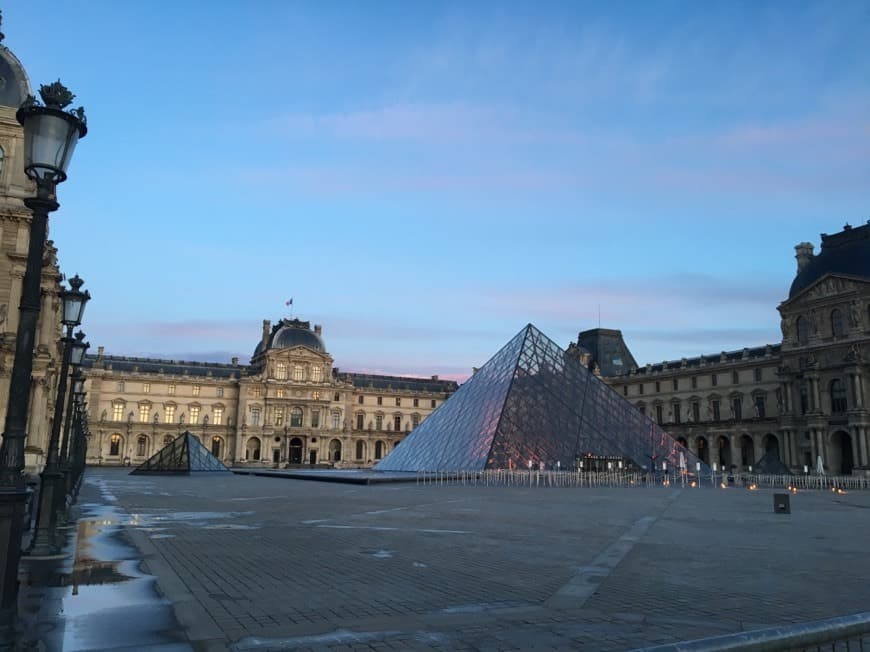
x,y
288,406
15,220
796,402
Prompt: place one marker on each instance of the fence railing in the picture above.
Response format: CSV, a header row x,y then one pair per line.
x,y
625,478
841,633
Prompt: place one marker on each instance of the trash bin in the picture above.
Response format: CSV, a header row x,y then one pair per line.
x,y
781,503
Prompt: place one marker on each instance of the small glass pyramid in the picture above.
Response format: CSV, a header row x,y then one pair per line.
x,y
532,402
185,454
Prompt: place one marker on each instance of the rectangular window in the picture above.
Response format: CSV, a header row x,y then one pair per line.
x,y
433,403
219,392
625,390
415,420
360,401
170,390
360,421
218,416
716,415
758,375
117,412
169,414
735,377
315,418
316,374
336,421
336,397
397,423
659,416
279,393
398,402
120,385
676,408
759,407
640,389
696,412
296,417
380,400
196,390
278,415
738,408
194,414
416,402
146,388
658,387
298,372
676,383
280,371
255,416
694,382
714,380
379,422
143,413
256,392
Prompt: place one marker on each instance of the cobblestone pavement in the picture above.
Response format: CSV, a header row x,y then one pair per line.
x,y
253,563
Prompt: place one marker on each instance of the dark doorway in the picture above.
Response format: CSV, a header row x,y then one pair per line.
x,y
842,460
771,446
724,453
747,454
296,451
703,449
276,455
312,457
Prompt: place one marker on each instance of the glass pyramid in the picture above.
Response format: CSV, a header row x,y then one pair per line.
x,y
534,402
185,454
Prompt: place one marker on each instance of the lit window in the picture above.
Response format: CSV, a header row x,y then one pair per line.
x,y
196,390
281,371
279,393
146,388
316,374
115,445
298,372
169,413
296,417
315,418
143,413
278,413
170,389
255,416
315,396
194,414
120,385
218,416
219,392
256,392
117,411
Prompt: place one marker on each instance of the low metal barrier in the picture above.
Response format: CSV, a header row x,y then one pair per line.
x,y
841,633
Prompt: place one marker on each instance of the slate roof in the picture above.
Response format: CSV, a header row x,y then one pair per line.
x,y
129,364
846,253
399,383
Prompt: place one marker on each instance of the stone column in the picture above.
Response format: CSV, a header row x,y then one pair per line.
x,y
816,394
863,445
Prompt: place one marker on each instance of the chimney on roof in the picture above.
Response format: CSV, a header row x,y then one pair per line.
x,y
804,254
235,361
435,377
266,326
318,329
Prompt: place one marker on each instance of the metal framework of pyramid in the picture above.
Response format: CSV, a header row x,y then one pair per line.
x,y
534,402
185,454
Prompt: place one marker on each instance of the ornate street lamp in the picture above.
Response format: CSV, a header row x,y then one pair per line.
x,y
77,356
73,301
50,136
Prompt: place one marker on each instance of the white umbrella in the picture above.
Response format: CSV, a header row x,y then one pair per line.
x,y
820,468
682,461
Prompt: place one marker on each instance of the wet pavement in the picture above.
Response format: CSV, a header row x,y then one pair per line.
x,y
248,563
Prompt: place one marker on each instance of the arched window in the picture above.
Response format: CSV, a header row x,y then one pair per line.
x,y
216,444
360,449
803,330
335,450
115,445
838,327
296,417
838,395
252,449
141,445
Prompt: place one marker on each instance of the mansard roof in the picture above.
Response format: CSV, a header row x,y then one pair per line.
x,y
129,364
846,253
726,357
398,383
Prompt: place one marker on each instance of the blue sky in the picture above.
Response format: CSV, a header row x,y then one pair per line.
x,y
426,178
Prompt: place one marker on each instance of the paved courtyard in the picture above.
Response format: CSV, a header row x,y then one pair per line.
x,y
252,563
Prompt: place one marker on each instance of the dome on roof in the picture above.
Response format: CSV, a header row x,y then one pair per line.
x,y
14,84
846,253
296,333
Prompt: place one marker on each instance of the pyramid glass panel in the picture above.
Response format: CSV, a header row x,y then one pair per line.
x,y
185,454
532,402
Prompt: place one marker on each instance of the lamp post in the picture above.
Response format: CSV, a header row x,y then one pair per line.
x,y
73,301
50,136
78,446
79,347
